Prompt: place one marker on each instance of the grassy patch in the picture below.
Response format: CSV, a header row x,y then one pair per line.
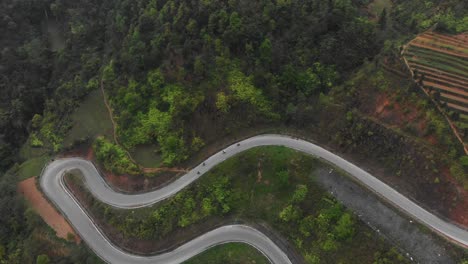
x,y
147,156
377,6
231,253
89,120
32,167
29,152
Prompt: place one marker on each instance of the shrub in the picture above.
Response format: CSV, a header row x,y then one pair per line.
x,y
113,157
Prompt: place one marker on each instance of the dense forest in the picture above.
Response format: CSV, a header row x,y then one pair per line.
x,y
231,68
181,74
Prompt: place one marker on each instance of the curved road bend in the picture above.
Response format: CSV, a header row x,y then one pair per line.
x,y
52,184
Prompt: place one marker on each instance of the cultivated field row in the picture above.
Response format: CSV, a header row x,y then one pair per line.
x,y
440,64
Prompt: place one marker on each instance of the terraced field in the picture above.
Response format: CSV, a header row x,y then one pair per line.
x,y
440,63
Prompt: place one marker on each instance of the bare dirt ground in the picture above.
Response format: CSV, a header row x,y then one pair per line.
x,y
459,212
48,213
393,113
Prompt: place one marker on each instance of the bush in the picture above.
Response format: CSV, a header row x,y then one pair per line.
x,y
113,157
42,259
35,141
300,193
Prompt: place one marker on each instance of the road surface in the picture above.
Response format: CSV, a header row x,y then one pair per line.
x,y
52,184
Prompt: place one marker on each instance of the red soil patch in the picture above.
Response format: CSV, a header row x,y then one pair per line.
x,y
432,139
458,212
382,103
154,170
90,154
122,182
395,114
47,212
138,183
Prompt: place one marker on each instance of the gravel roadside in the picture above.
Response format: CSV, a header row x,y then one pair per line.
x,y
399,230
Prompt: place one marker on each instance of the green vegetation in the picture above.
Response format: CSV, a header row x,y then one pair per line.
x,y
113,157
319,226
378,6
231,253
217,74
422,14
459,170
180,75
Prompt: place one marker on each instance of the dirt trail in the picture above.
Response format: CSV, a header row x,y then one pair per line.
x,y
56,221
167,169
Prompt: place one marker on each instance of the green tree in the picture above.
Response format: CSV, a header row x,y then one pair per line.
x,y
306,226
345,227
222,102
108,74
312,259
464,161
36,121
156,81
244,90
300,193
235,23
383,19
290,213
42,259
265,51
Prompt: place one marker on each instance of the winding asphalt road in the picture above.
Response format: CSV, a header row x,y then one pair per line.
x,y
52,184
